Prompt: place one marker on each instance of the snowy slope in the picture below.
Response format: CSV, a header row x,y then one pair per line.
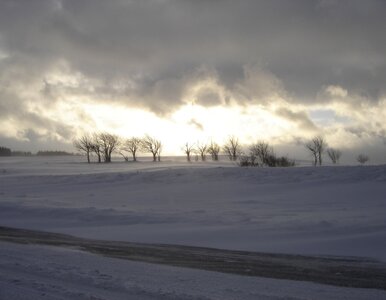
x,y
302,210
307,210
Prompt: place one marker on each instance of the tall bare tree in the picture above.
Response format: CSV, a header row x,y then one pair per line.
x,y
202,149
232,148
316,146
131,145
214,150
153,146
334,155
84,144
188,149
109,143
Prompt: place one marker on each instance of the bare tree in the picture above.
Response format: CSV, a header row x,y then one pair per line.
x,y
132,146
188,149
159,151
232,148
362,158
334,155
202,149
109,143
214,150
96,146
153,146
316,146
260,153
84,143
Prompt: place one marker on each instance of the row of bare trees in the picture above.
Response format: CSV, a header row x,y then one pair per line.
x,y
318,145
258,154
104,144
232,149
101,144
202,150
147,144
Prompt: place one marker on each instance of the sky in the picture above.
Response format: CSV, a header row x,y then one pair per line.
x,y
194,71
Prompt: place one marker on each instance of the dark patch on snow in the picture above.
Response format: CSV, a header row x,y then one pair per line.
x,y
339,271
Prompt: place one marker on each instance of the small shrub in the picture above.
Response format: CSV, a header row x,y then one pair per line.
x,y
362,159
270,161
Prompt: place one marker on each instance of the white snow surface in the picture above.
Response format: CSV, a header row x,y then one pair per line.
x,y
38,272
332,210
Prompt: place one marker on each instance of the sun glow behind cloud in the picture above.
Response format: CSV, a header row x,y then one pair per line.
x,y
190,123
75,105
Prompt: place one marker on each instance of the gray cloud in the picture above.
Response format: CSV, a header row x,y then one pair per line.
x,y
300,118
306,44
149,53
196,124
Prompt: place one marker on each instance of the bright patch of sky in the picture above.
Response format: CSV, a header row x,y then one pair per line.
x,y
327,117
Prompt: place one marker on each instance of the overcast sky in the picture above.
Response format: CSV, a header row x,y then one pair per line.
x,y
189,70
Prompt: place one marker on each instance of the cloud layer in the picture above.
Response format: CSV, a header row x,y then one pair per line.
x,y
289,57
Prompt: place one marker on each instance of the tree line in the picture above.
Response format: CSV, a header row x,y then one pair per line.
x,y
260,153
4,151
317,146
104,144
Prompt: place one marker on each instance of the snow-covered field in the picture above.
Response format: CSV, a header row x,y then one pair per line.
x,y
302,210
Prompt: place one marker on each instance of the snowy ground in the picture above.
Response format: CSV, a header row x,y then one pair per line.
x,y
37,272
302,210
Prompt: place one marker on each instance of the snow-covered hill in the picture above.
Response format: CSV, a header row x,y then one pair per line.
x,y
303,210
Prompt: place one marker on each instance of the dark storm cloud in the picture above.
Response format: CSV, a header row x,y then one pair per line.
x,y
154,43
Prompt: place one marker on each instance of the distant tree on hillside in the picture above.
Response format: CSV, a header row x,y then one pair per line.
x,y
202,150
188,149
232,148
131,145
84,144
214,150
109,143
334,155
4,151
260,153
316,146
96,146
362,158
152,145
